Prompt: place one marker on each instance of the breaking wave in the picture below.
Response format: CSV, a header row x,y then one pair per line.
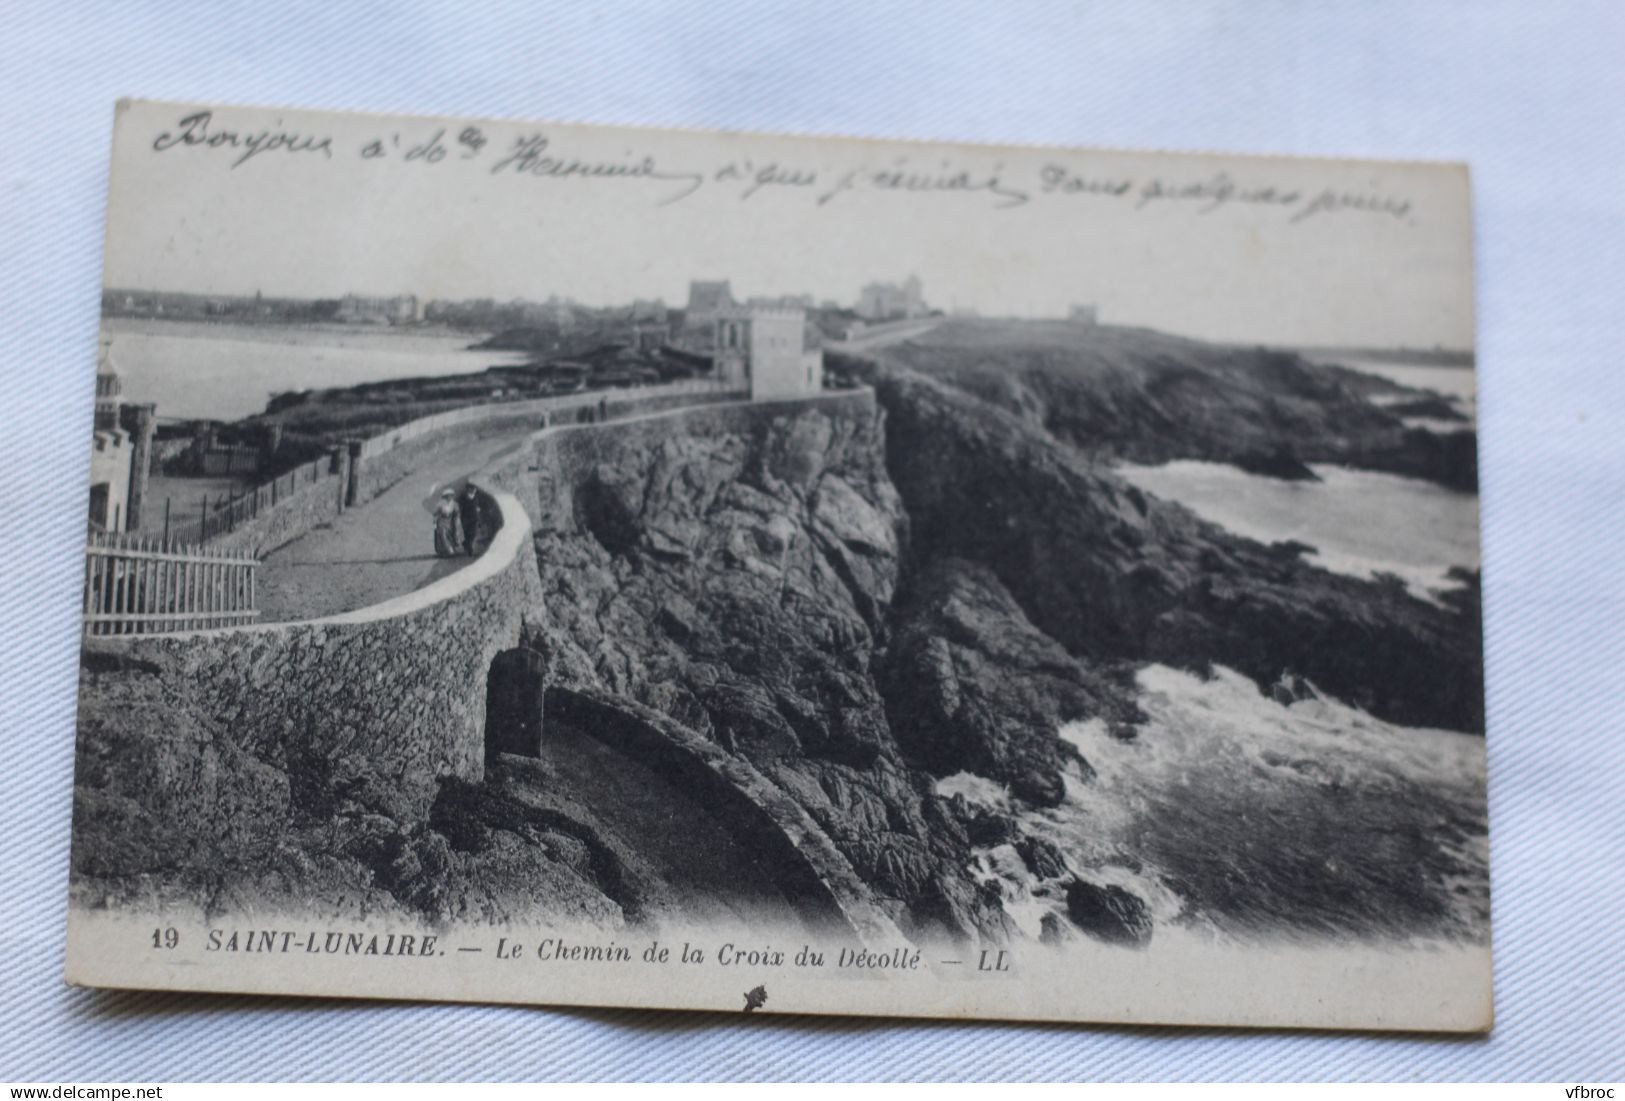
x,y
1239,817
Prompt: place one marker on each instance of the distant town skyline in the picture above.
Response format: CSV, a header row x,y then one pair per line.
x,y
187,221
1074,312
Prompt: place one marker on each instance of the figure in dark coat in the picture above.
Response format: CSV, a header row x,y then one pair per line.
x,y
468,508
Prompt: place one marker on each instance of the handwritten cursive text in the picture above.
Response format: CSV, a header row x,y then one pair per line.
x,y
194,129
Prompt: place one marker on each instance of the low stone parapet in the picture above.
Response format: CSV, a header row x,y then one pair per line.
x,y
394,692
373,465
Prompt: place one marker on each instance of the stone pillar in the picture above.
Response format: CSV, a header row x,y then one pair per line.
x,y
352,479
202,441
338,463
143,419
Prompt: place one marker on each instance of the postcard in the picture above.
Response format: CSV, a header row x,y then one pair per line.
x,y
579,565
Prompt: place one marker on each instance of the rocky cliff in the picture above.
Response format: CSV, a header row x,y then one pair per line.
x,y
1113,574
737,573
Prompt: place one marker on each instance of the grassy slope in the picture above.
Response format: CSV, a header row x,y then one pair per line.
x,y
1152,397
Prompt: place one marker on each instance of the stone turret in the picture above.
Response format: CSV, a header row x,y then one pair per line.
x,y
109,388
111,468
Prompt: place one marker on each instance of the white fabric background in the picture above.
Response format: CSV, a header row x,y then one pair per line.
x,y
1530,93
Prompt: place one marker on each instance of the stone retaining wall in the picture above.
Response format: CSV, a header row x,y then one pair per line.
x,y
395,691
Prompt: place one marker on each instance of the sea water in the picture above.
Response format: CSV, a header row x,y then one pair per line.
x,y
224,372
1457,385
1360,522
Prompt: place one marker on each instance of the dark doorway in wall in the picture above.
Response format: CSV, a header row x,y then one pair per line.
x,y
98,504
513,704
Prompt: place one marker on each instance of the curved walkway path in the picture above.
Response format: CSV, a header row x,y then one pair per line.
x,y
881,340
385,548
378,550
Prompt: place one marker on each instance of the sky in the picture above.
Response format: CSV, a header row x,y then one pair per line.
x,y
317,205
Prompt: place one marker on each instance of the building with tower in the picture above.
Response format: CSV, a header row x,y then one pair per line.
x,y
768,351
121,451
893,301
708,300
